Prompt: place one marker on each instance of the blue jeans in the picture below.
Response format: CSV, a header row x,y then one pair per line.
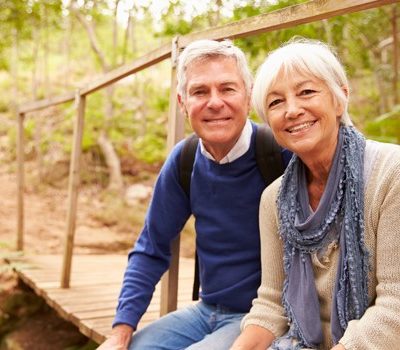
x,y
197,327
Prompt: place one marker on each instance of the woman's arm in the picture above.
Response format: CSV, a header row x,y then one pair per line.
x,y
379,327
253,338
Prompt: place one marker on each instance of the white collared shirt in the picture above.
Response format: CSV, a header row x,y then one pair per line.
x,y
241,146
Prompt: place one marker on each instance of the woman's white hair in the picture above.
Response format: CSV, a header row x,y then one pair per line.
x,y
206,49
302,56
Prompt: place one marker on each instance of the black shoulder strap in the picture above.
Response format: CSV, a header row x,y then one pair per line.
x,y
186,167
268,155
186,161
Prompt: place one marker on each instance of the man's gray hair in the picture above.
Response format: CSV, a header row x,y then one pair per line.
x,y
302,56
206,49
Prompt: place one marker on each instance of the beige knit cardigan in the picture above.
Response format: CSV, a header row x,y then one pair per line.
x,y
379,327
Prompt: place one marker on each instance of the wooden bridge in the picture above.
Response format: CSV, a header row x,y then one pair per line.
x,y
91,300
84,290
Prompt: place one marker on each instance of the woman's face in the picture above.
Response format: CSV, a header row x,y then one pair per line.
x,y
303,115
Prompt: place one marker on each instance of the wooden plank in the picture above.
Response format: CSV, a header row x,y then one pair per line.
x,y
284,18
42,104
137,65
91,307
73,189
20,181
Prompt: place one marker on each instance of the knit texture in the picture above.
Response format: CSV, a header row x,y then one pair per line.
x,y
379,327
224,200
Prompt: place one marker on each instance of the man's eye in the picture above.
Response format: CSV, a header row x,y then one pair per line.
x,y
228,89
198,92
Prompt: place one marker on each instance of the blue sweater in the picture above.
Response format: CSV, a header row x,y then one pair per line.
x,y
224,201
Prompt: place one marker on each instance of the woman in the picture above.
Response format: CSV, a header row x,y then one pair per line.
x,y
330,228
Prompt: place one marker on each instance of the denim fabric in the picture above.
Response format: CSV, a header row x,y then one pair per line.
x,y
197,327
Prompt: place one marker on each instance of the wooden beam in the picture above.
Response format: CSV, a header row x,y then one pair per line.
x,y
176,131
137,65
20,181
73,185
42,104
284,18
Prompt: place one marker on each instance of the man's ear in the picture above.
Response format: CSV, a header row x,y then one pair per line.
x,y
182,105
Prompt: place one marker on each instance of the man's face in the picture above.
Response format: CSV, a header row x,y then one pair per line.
x,y
216,103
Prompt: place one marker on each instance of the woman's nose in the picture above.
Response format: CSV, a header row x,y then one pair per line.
x,y
293,108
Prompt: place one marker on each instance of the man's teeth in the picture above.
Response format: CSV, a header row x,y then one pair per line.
x,y
301,127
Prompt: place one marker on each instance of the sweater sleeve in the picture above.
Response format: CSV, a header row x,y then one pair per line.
x,y
379,327
168,212
267,310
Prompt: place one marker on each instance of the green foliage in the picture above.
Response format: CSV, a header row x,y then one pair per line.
x,y
385,128
140,103
150,148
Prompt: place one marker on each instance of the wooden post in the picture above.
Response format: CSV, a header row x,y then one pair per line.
x,y
74,170
176,131
20,181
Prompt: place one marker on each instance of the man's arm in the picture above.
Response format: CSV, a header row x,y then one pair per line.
x,y
167,213
119,339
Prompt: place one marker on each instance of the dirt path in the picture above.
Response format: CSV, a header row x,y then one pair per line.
x,y
45,221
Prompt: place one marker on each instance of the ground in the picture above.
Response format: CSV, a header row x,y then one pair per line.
x,y
39,328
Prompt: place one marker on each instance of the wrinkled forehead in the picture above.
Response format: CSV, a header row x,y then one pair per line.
x,y
204,59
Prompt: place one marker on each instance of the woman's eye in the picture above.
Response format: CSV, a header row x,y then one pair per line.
x,y
307,92
274,103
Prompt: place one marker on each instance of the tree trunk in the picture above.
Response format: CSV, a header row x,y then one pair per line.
x,y
38,131
395,81
113,163
110,155
14,68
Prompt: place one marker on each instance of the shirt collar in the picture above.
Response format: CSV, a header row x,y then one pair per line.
x,y
241,146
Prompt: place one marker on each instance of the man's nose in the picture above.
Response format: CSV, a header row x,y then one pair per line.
x,y
215,101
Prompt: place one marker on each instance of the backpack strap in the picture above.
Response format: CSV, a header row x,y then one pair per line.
x,y
186,162
186,167
268,155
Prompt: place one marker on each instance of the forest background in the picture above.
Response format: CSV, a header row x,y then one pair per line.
x,y
52,47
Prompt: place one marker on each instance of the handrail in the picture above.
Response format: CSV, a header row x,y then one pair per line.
x,y
49,102
287,17
283,18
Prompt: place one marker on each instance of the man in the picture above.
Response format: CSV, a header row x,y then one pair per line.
x,y
214,87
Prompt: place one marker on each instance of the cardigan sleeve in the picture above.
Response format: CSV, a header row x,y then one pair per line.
x,y
379,327
267,310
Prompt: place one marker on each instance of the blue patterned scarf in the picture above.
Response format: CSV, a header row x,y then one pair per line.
x,y
339,217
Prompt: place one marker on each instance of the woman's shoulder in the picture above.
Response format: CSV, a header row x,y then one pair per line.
x,y
382,161
386,154
271,191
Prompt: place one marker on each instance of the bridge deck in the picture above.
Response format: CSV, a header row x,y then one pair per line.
x,y
95,283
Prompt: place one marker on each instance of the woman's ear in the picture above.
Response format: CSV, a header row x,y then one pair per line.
x,y
340,107
345,89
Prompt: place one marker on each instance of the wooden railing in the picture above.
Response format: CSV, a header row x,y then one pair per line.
x,y
288,17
